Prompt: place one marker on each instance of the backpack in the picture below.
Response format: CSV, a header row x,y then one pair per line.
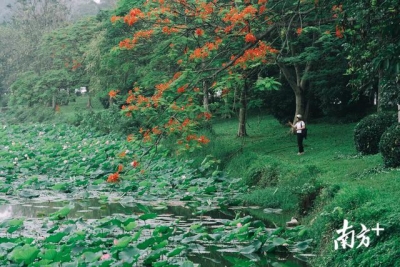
x,y
304,132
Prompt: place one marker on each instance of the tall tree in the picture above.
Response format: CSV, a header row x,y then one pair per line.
x,y
197,44
303,32
373,48
31,19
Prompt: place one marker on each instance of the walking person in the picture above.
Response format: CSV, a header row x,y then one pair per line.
x,y
299,126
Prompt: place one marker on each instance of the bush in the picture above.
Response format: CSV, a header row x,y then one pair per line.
x,y
30,114
106,121
369,130
389,146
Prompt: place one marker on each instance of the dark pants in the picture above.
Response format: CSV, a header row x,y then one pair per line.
x,y
300,142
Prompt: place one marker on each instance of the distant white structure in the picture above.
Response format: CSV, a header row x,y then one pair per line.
x,y
97,1
81,90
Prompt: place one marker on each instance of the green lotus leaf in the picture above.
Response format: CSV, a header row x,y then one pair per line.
x,y
176,251
187,264
43,262
146,243
56,238
7,246
129,255
130,226
123,242
28,194
253,247
278,241
89,256
145,184
13,225
62,213
75,238
301,246
26,254
160,263
136,236
210,189
148,216
155,255
60,186
53,229
162,244
190,239
48,254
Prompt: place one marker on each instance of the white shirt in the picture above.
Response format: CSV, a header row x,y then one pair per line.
x,y
299,125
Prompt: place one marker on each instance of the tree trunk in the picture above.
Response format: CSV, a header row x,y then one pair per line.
x,y
89,102
398,114
205,97
53,101
298,83
300,107
205,92
242,111
378,95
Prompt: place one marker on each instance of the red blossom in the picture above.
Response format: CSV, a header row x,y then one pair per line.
x,y
199,32
250,38
134,164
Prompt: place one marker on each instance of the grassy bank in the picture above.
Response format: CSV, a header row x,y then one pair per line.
x,y
326,185
331,182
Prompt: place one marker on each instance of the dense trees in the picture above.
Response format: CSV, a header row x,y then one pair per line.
x,y
373,48
172,65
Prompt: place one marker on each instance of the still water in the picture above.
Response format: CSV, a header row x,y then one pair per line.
x,y
206,255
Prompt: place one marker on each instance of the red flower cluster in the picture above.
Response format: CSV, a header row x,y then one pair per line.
x,y
114,177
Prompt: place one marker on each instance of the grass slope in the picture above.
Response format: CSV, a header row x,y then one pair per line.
x,y
326,185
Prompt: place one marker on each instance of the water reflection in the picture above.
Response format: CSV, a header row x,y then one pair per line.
x,y
209,255
6,212
86,209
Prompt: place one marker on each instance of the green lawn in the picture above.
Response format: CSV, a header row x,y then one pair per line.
x,y
358,186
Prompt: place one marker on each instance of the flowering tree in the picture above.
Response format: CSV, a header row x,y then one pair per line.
x,y
193,48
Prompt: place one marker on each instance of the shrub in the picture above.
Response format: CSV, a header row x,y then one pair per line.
x,y
389,146
106,121
369,130
281,104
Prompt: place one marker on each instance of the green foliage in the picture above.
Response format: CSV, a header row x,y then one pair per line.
x,y
25,254
66,157
33,114
279,186
359,206
372,47
281,104
105,121
389,146
369,130
267,84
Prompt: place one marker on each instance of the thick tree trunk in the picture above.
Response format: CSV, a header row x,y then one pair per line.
x,y
298,83
242,112
300,107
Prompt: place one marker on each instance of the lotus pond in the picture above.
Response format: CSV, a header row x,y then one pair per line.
x,y
57,208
